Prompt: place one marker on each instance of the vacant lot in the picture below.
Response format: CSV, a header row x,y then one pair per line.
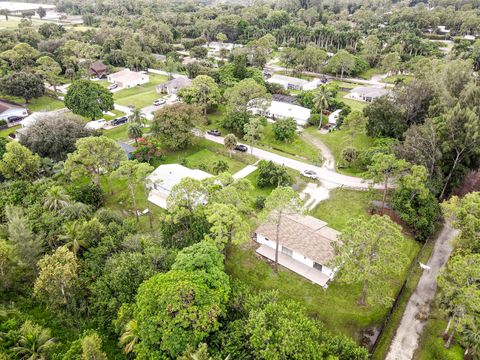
x,y
142,95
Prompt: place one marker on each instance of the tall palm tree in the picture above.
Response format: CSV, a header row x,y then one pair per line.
x,y
136,116
130,337
72,235
56,198
76,211
471,339
322,101
134,131
34,342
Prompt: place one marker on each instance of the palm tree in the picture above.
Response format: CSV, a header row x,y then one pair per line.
x,y
130,337
219,167
322,101
76,211
137,117
34,342
73,237
56,198
230,142
134,131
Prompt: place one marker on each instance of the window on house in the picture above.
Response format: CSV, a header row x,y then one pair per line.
x,y
287,251
317,266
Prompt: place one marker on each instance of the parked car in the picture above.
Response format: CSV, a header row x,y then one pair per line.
x,y
119,121
214,132
241,148
159,102
14,119
113,86
309,174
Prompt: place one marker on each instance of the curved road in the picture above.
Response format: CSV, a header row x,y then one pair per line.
x,y
324,174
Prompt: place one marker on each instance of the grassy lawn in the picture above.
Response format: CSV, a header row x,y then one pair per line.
x,y
13,22
392,79
336,306
338,140
118,133
5,132
431,346
342,206
354,104
45,103
142,95
367,75
205,160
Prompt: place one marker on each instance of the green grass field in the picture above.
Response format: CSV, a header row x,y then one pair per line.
x,y
340,139
392,79
140,96
45,103
13,22
5,132
336,306
205,160
118,133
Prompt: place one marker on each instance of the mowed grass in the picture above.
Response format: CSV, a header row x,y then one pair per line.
x,y
118,133
142,95
206,159
337,141
45,103
337,307
5,132
13,22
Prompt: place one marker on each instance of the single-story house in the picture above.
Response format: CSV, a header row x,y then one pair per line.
x,y
333,117
127,148
174,85
306,246
293,83
367,93
283,110
165,177
9,108
96,124
216,46
98,69
187,60
443,29
39,115
128,79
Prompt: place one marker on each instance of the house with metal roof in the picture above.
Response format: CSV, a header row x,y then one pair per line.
x,y
283,110
293,83
174,85
367,93
306,246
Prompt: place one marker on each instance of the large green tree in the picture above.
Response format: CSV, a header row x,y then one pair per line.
x,y
22,84
19,163
88,99
371,252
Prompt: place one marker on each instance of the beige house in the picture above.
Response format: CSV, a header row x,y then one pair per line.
x,y
305,247
127,78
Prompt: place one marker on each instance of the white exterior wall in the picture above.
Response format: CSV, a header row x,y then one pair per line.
x,y
295,255
13,112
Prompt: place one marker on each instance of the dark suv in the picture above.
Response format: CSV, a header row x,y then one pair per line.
x,y
214,132
119,121
14,119
241,148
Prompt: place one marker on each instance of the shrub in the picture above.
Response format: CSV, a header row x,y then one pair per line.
x,y
270,174
284,129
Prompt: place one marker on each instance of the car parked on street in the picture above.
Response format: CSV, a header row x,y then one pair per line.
x,y
119,121
159,102
214,132
241,148
309,174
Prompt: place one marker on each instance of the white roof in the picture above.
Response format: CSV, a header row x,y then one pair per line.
x,y
168,175
333,117
20,6
370,91
126,75
282,79
287,110
226,45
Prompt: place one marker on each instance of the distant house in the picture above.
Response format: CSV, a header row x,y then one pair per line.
x,y
98,69
174,85
165,177
9,109
216,46
128,79
283,110
367,93
333,117
293,83
306,246
127,148
187,60
443,29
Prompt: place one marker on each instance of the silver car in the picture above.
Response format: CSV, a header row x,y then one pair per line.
x,y
309,174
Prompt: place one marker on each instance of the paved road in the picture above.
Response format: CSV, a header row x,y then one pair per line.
x,y
323,174
411,326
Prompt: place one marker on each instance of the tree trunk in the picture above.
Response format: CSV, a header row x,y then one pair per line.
x,y
447,181
385,190
321,119
110,186
445,333
277,244
132,192
450,338
363,299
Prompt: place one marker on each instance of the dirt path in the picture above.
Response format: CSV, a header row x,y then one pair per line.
x,y
328,159
408,333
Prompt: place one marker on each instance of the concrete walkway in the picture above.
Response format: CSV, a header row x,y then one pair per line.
x,y
247,170
323,174
411,326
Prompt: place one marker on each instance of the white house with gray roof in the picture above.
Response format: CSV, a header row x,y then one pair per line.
x,y
367,93
293,83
